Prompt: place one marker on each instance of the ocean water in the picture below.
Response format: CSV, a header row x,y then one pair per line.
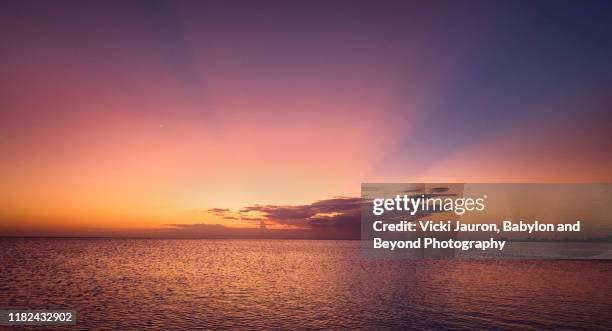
x,y
133,284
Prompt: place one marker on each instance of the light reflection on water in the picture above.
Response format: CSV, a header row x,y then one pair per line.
x,y
131,284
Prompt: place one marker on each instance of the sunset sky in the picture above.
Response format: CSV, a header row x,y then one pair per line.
x,y
125,117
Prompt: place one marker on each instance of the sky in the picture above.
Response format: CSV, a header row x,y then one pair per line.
x,y
135,117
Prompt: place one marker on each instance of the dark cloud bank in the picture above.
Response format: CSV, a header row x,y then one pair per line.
x,y
336,218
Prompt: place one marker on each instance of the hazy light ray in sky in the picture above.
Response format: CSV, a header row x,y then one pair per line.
x,y
120,115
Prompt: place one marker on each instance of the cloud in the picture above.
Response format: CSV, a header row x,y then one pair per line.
x,y
335,212
217,210
245,218
335,218
218,231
